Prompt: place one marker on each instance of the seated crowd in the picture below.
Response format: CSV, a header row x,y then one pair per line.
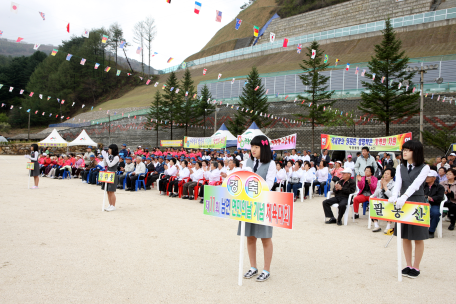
x,y
182,173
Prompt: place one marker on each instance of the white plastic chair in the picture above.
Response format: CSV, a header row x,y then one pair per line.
x,y
303,190
279,188
337,206
159,178
351,206
369,223
440,224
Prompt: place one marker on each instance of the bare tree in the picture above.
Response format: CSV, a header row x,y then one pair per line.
x,y
138,37
115,35
149,34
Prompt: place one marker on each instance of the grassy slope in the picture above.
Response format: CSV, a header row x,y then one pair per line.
x,y
225,39
429,42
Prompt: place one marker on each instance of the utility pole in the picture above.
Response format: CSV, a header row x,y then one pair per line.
x,y
215,122
421,103
109,117
28,137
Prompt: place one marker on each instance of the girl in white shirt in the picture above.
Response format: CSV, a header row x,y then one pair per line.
x,y
181,174
322,176
33,157
281,175
212,175
307,178
294,180
170,171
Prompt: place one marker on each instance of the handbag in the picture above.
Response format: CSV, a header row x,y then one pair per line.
x,y
335,179
295,180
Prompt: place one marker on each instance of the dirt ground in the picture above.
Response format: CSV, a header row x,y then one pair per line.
x,y
57,246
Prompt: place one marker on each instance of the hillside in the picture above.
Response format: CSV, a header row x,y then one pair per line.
x,y
428,42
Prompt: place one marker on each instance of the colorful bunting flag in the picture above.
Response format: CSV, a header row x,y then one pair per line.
x,y
383,78
314,53
204,71
299,48
49,97
348,67
104,39
257,88
218,16
118,73
14,7
285,42
168,1
357,70
19,39
238,23
21,92
107,69
194,96
170,59
31,94
138,51
271,37
54,52
69,57
326,58
96,66
219,75
40,96
364,72
122,44
1,33
186,93
256,30
373,77
232,81
337,60
85,33
156,84
36,46
197,7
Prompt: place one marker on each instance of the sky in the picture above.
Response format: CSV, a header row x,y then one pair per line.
x,y
180,32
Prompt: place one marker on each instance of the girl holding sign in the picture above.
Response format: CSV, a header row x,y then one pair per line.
x,y
260,162
111,160
410,177
36,167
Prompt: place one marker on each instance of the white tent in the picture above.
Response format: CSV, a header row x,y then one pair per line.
x,y
83,140
253,131
231,141
3,139
53,140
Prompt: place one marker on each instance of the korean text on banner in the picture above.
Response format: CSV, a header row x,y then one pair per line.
x,y
245,196
30,166
106,177
389,143
217,142
284,143
411,213
171,143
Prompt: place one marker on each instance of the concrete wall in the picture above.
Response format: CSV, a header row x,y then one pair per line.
x,y
343,15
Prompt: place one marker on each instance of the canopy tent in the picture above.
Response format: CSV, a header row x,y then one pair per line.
x,y
231,141
83,140
253,131
53,140
3,139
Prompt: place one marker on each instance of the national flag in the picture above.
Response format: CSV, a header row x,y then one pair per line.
x,y
28,111
96,66
104,39
299,48
43,113
31,94
68,27
107,69
257,88
314,53
337,60
364,72
86,33
83,61
219,75
218,16
42,16
118,73
267,91
168,1
172,88
406,88
186,93
373,77
194,96
128,74
170,59
414,88
63,101
156,84
69,57
232,81
19,39
54,52
122,44
204,71
326,58
286,97
36,46
438,98
285,42
197,7
138,51
49,97
357,70
177,90
36,111
10,108
238,23
140,77
163,86
383,79
147,82
1,33
256,29
14,7
41,96
348,67
271,37
21,92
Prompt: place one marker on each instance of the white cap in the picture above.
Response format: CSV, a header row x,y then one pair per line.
x,y
452,154
339,162
331,163
432,173
347,170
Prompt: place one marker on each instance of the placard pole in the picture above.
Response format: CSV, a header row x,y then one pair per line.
x,y
399,252
241,253
104,196
29,179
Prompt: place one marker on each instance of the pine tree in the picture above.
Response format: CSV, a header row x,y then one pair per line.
x,y
384,98
205,108
253,103
318,96
155,119
172,103
338,118
189,113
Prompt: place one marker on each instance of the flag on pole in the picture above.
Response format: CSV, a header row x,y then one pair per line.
x,y
170,59
204,71
96,66
138,51
49,97
348,67
122,44
218,16
256,30
219,75
314,53
238,23
69,57
19,39
299,48
194,96
14,7
326,58
83,61
271,37
85,33
54,52
197,7
104,39
36,46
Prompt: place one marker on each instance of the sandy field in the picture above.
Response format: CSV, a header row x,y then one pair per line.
x,y
57,246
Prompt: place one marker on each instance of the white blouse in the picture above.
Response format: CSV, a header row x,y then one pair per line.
x,y
281,175
270,175
171,171
414,186
183,173
212,176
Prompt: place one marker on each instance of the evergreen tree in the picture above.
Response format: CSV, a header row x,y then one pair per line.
x,y
440,140
205,108
154,118
189,113
338,118
318,96
172,102
253,103
384,98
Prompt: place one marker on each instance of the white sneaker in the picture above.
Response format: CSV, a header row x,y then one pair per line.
x,y
110,208
106,208
84,181
447,219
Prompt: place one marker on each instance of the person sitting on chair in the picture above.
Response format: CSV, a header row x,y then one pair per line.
x,y
366,185
129,167
281,175
159,169
133,176
434,192
342,190
196,173
212,175
384,190
181,174
322,176
170,171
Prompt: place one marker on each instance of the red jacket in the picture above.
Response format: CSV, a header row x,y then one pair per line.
x,y
372,186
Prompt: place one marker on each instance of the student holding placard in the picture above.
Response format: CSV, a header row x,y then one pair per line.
x,y
111,160
410,177
260,162
36,167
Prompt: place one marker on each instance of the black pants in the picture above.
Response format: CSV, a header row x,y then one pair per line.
x,y
306,188
451,211
274,187
93,176
84,174
162,184
187,188
201,192
341,200
131,180
59,172
321,184
151,179
42,169
175,184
